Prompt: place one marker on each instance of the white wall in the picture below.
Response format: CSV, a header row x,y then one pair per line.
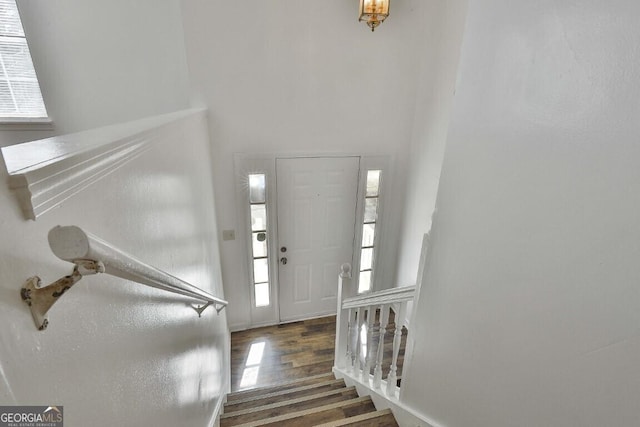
x,y
530,308
434,99
101,63
299,78
116,353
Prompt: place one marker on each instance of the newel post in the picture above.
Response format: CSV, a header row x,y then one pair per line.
x,y
342,347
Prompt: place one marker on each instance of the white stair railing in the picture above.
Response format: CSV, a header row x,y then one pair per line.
x,y
361,328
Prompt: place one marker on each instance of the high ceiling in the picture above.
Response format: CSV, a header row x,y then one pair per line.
x,y
275,72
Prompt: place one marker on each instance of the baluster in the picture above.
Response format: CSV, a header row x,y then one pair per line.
x,y
392,377
384,320
367,360
343,317
349,355
358,323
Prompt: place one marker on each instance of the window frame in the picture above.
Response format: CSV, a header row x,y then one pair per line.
x,y
265,230
9,122
244,165
378,271
376,230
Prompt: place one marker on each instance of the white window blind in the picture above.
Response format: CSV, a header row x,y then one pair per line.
x,y
20,95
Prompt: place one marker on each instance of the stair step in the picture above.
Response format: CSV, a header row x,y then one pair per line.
x,y
287,406
278,396
244,394
382,418
290,400
318,415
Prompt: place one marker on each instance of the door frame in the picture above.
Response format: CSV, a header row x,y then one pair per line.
x,y
247,163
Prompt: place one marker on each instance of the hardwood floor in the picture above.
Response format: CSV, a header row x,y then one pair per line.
x,y
288,352
276,354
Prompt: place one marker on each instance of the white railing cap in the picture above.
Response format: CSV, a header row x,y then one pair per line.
x,y
387,296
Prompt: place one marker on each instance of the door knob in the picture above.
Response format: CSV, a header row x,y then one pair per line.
x,y
283,249
283,260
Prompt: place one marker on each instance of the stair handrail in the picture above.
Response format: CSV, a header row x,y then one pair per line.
x,y
369,312
387,296
92,255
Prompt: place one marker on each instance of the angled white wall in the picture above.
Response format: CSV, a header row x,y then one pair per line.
x,y
434,99
530,307
116,353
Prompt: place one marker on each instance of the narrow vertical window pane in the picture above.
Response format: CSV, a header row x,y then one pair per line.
x,y
260,270
257,187
370,217
364,284
370,209
262,294
368,234
259,244
258,217
373,183
20,95
366,259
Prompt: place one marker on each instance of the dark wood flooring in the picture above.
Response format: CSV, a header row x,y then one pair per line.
x,y
291,351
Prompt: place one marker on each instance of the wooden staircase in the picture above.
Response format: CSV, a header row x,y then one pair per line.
x,y
319,400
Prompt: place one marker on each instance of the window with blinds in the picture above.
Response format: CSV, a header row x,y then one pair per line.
x,y
20,96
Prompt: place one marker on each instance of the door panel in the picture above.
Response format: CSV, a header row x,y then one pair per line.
x,y
316,221
302,284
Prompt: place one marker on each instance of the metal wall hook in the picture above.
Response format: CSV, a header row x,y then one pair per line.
x,y
201,308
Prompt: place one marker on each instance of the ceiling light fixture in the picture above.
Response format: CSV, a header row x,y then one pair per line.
x,y
374,12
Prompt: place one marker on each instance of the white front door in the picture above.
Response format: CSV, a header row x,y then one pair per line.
x,y
316,222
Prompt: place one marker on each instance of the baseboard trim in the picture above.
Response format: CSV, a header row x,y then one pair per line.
x,y
310,317
238,327
219,409
244,326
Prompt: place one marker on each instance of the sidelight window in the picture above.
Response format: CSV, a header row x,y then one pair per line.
x,y
367,247
259,246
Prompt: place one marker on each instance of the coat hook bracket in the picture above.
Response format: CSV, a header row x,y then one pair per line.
x,y
41,298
